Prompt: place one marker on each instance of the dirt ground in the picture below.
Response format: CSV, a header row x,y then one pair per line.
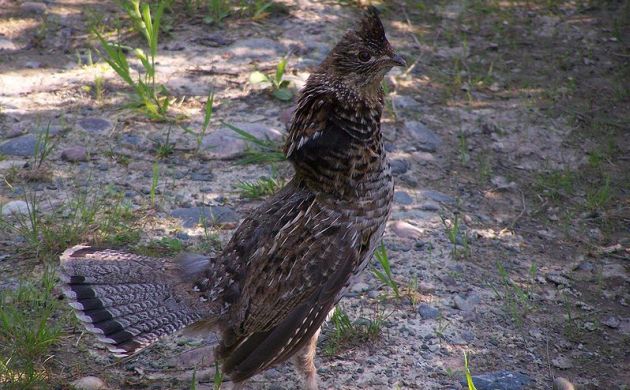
x,y
508,136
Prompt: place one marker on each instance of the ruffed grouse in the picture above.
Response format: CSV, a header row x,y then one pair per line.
x,y
291,260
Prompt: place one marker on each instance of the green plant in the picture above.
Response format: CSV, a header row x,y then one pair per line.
x,y
516,300
345,333
556,184
165,246
217,11
207,115
464,155
265,151
43,147
151,97
260,188
597,198
218,377
164,148
385,276
27,333
457,237
469,380
279,86
258,9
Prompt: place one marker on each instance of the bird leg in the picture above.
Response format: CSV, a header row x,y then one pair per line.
x,y
304,362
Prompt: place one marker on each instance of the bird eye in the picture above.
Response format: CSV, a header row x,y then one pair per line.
x,y
364,56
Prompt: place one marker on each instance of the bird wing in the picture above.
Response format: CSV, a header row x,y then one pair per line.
x,y
292,280
309,120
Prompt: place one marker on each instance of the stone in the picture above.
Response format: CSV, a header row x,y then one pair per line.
x,y
501,183
466,304
401,197
32,65
360,287
202,176
405,230
89,383
402,102
33,7
428,312
500,380
95,125
6,44
425,139
561,383
249,49
213,215
399,166
15,207
19,146
562,362
437,196
612,322
74,154
225,143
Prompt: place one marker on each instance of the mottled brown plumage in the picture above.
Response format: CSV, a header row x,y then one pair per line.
x,y
291,260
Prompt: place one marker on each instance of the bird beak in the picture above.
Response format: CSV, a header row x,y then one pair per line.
x,y
397,60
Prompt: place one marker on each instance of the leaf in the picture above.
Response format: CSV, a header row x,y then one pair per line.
x,y
284,84
280,70
258,77
283,94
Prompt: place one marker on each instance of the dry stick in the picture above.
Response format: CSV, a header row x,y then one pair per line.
x,y
521,213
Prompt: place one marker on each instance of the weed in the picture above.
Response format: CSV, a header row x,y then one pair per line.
x,y
457,237
279,86
26,333
346,333
516,300
266,151
385,276
218,377
556,185
119,158
217,11
99,88
464,155
469,381
261,188
154,182
484,167
259,8
165,246
164,148
151,97
598,198
207,115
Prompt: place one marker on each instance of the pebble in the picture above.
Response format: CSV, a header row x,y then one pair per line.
x,y
15,207
74,154
500,380
89,383
401,102
399,166
426,139
437,196
213,215
224,143
360,287
562,362
401,197
19,146
405,230
561,383
95,125
201,176
612,322
466,304
428,312
32,65
6,44
33,7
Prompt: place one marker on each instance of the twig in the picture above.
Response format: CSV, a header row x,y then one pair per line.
x,y
521,213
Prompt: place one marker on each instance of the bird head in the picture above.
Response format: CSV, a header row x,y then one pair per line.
x,y
363,56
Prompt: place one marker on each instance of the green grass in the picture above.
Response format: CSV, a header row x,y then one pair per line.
x,y
217,10
165,246
458,238
27,333
207,116
384,275
260,188
469,380
516,299
151,97
264,151
345,333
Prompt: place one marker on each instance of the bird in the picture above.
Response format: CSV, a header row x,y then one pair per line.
x,y
291,259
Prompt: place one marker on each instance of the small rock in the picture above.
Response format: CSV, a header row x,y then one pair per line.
x,y
466,304
213,215
32,65
360,287
20,146
612,322
428,312
426,139
225,143
405,230
501,183
74,154
202,176
33,7
401,102
501,380
437,196
95,125
557,279
15,207
6,44
586,266
562,362
399,166
401,197
561,383
89,383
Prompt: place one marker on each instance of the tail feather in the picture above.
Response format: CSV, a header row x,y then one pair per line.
x,y
127,301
